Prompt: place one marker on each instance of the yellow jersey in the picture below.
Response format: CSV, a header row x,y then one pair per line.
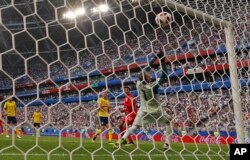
x,y
103,107
10,108
37,116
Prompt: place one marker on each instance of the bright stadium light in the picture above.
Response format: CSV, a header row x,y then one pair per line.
x,y
94,9
74,14
80,11
103,8
100,8
69,15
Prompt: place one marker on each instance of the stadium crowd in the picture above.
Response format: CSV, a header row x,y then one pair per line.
x,y
179,40
191,63
207,110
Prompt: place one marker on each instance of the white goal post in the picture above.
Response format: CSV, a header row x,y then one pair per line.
x,y
231,58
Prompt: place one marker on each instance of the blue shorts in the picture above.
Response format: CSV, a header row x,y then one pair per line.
x,y
104,121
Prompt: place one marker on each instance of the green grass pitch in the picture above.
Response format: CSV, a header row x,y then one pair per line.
x,y
54,148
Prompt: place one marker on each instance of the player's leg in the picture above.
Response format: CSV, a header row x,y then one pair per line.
x,y
1,126
167,134
124,124
98,131
102,127
129,121
129,131
7,130
1,129
122,127
136,124
130,140
110,132
165,119
17,130
168,131
36,129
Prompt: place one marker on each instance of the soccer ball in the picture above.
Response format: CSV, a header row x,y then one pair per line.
x,y
163,19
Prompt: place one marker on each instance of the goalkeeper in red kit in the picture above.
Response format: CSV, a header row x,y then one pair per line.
x,y
130,111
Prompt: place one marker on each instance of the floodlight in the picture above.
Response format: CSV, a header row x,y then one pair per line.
x,y
69,15
80,11
103,8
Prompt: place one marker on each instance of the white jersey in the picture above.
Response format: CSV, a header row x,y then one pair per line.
x,y
149,99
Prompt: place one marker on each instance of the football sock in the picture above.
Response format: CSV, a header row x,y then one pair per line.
x,y
110,135
129,131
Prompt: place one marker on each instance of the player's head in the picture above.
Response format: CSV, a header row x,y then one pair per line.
x,y
145,76
104,94
37,110
126,90
10,99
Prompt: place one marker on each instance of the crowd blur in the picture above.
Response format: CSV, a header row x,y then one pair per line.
x,y
200,111
175,40
206,110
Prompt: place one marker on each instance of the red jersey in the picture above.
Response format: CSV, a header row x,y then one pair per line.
x,y
129,104
2,119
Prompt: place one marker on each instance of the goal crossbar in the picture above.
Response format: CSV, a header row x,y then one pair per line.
x,y
195,13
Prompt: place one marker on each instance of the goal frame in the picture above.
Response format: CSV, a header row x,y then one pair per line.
x,y
232,61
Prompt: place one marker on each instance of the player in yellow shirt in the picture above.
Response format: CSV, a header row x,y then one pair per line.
x,y
10,109
37,117
103,115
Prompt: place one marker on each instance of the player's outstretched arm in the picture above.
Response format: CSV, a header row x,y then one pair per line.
x,y
151,63
163,67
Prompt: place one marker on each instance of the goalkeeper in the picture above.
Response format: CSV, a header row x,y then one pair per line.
x,y
150,107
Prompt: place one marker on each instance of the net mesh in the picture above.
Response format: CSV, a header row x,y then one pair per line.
x,y
58,56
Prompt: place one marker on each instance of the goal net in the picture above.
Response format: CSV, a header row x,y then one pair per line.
x,y
60,60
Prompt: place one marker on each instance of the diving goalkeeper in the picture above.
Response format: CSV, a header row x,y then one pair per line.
x,y
150,110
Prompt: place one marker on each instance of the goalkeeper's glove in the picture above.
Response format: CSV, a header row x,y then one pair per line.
x,y
160,54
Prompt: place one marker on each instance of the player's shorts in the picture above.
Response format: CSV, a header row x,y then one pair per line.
x,y
11,120
129,119
37,125
143,119
1,122
103,121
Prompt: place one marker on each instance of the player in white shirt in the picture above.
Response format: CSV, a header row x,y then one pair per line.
x,y
150,110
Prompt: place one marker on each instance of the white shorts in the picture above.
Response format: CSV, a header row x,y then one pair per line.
x,y
143,119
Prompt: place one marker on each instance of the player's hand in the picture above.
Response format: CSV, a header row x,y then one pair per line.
x,y
4,111
3,115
